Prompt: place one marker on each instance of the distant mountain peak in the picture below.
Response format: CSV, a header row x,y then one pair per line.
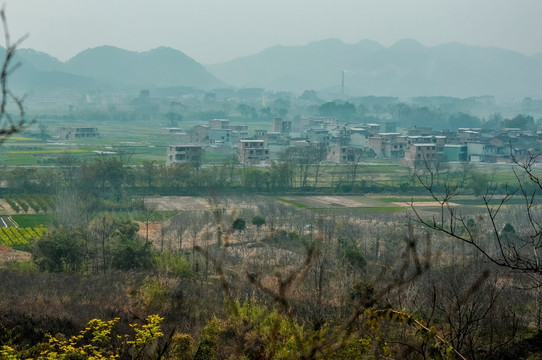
x,y
370,44
407,45
328,41
405,69
108,66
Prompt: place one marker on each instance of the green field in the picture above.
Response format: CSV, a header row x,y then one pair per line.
x,y
33,220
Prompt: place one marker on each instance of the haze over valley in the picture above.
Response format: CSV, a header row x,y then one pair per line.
x,y
193,180
405,69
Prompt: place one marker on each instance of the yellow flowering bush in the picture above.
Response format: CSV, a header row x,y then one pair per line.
x,y
95,342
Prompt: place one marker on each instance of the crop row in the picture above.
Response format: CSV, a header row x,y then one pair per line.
x,y
17,236
37,202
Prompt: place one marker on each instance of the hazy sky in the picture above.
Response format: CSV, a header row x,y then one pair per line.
x,y
213,31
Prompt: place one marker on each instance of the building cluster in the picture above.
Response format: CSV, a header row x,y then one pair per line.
x,y
347,143
78,132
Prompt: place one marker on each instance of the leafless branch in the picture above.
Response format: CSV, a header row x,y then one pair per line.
x,y
520,253
9,124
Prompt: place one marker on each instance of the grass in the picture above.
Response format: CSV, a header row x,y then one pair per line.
x,y
32,152
217,157
294,203
405,199
382,209
495,201
31,220
20,138
373,209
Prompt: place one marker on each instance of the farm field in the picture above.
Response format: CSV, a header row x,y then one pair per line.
x,y
368,202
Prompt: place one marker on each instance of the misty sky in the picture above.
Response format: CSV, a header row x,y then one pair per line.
x,y
213,31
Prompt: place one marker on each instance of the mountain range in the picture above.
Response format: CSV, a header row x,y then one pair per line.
x,y
111,68
405,69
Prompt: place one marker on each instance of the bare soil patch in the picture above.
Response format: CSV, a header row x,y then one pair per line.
x,y
154,230
340,201
7,254
164,203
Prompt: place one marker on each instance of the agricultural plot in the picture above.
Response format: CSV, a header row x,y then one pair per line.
x,y
322,202
29,204
368,202
10,236
166,203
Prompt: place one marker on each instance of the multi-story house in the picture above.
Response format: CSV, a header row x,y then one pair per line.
x,y
418,153
282,126
219,123
320,136
344,154
221,136
252,151
79,132
199,134
387,145
184,154
455,152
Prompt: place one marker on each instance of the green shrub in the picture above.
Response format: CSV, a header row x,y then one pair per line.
x,y
26,267
181,347
153,293
173,264
12,203
239,224
258,220
30,201
21,203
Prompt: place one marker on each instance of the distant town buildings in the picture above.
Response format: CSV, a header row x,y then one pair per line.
x,y
344,143
78,132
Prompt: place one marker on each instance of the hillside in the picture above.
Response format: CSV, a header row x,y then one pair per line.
x,y
107,67
160,67
407,68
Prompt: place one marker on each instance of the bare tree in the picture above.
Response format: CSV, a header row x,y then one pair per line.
x,y
354,157
10,124
147,209
519,251
100,230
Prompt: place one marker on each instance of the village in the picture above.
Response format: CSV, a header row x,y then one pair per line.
x,y
344,143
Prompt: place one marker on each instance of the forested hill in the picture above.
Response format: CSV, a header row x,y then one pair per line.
x,y
108,67
407,68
